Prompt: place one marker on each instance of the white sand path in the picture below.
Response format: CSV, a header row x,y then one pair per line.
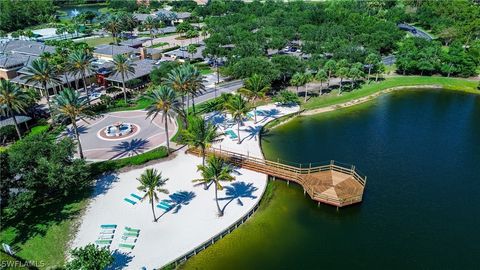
x,y
175,233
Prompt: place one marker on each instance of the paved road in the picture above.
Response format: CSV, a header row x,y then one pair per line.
x,y
227,87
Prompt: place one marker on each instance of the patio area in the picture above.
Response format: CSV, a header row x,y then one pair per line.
x,y
144,135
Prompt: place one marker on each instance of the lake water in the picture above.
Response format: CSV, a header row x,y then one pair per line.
x,y
69,10
421,153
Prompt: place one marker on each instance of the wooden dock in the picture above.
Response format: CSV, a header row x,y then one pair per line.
x,y
331,183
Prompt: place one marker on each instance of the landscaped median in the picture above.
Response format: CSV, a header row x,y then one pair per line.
x,y
373,89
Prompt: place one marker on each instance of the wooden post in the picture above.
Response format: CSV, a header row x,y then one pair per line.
x,y
304,192
288,182
309,167
273,178
353,169
318,204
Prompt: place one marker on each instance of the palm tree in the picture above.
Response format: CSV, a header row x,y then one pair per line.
x,y
372,61
200,134
70,105
307,77
330,67
151,182
256,87
342,73
14,100
164,100
179,80
122,65
81,63
113,24
195,82
238,108
322,77
297,80
41,72
151,24
215,171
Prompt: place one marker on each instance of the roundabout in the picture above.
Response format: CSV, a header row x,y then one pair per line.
x,y
121,134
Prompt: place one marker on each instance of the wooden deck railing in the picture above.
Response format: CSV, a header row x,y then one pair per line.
x,y
278,169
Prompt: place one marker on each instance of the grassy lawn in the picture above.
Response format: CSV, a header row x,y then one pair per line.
x,y
161,44
453,84
93,42
44,235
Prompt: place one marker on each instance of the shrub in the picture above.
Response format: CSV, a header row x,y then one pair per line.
x,y
112,165
7,133
286,97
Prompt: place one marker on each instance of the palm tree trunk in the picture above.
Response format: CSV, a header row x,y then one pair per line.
x,y
124,89
306,92
329,75
80,151
321,88
85,86
369,69
165,118
193,104
15,122
220,212
188,103
238,131
341,81
151,37
255,114
376,77
153,211
47,96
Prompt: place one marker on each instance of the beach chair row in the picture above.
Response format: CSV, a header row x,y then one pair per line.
x,y
133,199
107,233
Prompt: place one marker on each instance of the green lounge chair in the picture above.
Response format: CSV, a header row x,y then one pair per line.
x,y
103,242
133,234
130,201
132,230
129,246
136,196
107,231
105,236
108,226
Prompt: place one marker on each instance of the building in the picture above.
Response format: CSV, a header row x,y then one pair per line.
x,y
134,42
16,54
107,52
10,64
138,79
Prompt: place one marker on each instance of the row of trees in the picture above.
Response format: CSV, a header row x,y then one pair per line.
x,y
418,56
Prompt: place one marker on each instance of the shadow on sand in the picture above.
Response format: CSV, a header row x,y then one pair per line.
x,y
121,259
237,191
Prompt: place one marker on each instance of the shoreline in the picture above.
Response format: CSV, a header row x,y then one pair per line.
x,y
369,97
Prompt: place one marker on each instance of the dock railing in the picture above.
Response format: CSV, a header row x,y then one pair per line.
x,y
280,169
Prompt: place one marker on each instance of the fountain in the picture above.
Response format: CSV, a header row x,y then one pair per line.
x,y
118,129
74,13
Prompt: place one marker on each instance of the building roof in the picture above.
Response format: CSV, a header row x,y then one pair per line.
x,y
141,67
113,50
185,54
134,42
184,15
64,78
9,121
153,50
143,16
15,60
34,49
8,46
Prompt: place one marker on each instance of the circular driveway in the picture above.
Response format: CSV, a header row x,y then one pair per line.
x,y
150,135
